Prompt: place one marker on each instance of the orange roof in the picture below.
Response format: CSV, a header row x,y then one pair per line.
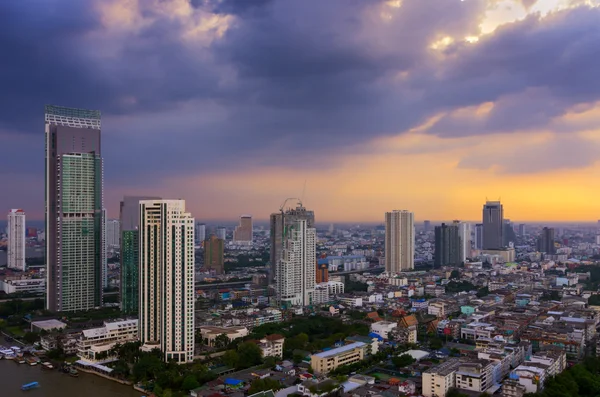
x,y
407,321
274,337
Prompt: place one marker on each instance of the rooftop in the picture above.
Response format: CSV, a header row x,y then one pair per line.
x,y
339,350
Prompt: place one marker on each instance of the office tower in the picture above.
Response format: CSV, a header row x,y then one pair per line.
x,y
493,226
16,240
510,236
200,232
214,256
447,245
129,223
243,232
399,241
222,233
295,272
280,223
479,236
545,241
322,273
331,228
113,228
74,194
522,230
166,307
103,252
464,233
426,226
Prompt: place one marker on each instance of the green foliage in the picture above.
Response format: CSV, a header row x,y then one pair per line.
x,y
403,360
231,358
455,393
18,307
594,300
581,380
221,341
435,343
454,275
266,384
459,286
249,355
355,286
481,292
190,383
30,337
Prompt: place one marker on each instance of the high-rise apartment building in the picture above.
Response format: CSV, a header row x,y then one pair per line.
x,y
214,256
447,245
479,236
493,226
399,241
166,304
280,224
522,230
426,226
112,234
509,235
129,223
243,232
322,273
74,221
200,232
464,233
16,240
545,242
222,233
295,272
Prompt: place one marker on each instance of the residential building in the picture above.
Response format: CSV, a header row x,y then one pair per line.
x,y
272,345
74,221
243,232
493,225
322,273
295,273
479,236
23,285
222,233
280,223
129,223
437,309
438,380
214,254
545,242
404,335
210,333
200,232
447,246
512,388
95,343
383,328
464,234
166,307
399,241
113,228
475,375
324,362
16,240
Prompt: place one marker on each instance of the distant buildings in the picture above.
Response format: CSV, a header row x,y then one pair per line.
x,y
214,259
280,223
399,241
447,246
200,232
479,236
322,273
243,232
493,226
16,240
112,233
426,226
74,224
545,242
323,363
222,233
522,230
167,279
129,223
295,272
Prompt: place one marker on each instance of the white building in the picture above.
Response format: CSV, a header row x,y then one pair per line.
x,y
383,328
16,240
399,241
112,233
200,232
295,272
28,285
210,333
438,380
464,233
166,274
272,345
95,343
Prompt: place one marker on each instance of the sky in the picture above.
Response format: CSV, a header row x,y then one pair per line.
x,y
355,106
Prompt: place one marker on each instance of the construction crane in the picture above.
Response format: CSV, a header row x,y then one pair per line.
x,y
282,208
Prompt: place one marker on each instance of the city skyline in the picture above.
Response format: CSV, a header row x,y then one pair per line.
x,y
304,107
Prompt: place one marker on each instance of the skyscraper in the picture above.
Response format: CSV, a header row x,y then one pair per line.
x,y
74,194
545,241
214,254
426,225
509,235
322,273
129,223
243,232
16,240
493,226
522,229
399,241
447,245
280,223
112,234
166,307
222,233
200,232
479,236
295,272
464,233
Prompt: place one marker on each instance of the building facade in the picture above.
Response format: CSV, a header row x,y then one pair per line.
x,y
280,223
545,242
243,232
95,343
166,282
493,225
74,221
399,241
447,246
16,240
295,273
214,257
129,223
323,363
113,228
200,232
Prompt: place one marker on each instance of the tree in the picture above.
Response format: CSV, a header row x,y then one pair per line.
x,y
190,383
435,343
30,337
403,361
481,292
266,384
221,341
454,275
231,358
249,354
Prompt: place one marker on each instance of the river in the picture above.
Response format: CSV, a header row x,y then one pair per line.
x,y
56,384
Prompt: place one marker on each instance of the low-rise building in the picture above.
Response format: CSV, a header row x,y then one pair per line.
x,y
95,343
25,285
475,375
329,360
383,328
210,333
439,379
272,345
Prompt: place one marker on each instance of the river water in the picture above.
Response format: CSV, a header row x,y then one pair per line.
x,y
56,384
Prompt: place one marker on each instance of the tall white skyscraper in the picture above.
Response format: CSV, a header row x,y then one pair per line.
x,y
112,233
166,278
399,241
464,233
16,239
295,272
200,232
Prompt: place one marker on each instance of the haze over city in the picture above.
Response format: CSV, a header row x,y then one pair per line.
x,y
427,105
